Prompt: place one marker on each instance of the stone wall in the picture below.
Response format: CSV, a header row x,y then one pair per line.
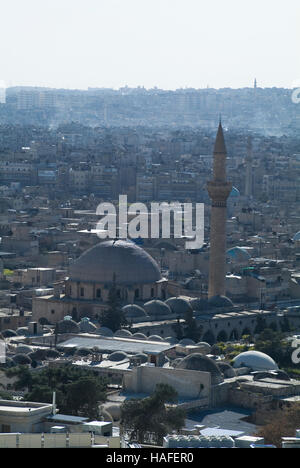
x,y
188,384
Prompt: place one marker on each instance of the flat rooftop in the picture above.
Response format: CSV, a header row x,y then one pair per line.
x,y
110,345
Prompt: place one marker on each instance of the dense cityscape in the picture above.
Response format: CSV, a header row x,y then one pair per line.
x,y
149,245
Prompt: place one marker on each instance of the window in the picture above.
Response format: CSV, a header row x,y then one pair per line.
x,y
98,293
52,311
5,428
152,292
136,294
82,292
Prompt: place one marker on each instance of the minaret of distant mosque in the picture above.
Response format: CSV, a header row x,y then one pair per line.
x,y
218,189
249,174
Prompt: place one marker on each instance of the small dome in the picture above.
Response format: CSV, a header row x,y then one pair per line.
x,y
202,363
22,331
123,334
186,342
117,356
87,327
205,347
67,326
235,193
24,349
178,305
226,369
21,359
297,236
83,351
139,336
104,331
238,254
155,338
8,333
255,360
133,311
199,304
157,308
39,354
220,301
142,357
171,340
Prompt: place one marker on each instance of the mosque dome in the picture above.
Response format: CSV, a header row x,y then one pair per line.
x,y
87,327
142,357
104,331
220,301
296,236
118,356
128,262
133,311
202,363
187,342
157,308
199,304
24,349
255,360
205,347
238,254
139,336
235,193
156,338
226,369
22,331
123,334
171,340
8,333
179,305
67,326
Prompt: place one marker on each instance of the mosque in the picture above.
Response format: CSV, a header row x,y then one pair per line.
x,y
140,286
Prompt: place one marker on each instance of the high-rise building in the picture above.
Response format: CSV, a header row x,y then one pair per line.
x,y
218,189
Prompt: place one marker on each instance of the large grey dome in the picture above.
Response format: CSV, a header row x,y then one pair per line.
x,y
129,262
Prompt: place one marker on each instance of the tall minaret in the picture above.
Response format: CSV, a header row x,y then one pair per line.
x,y
249,176
218,189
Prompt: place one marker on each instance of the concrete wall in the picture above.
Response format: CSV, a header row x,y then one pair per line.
x,y
40,440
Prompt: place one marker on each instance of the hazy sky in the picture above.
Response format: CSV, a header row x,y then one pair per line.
x,y
164,43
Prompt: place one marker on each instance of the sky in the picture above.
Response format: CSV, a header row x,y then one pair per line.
x,y
165,43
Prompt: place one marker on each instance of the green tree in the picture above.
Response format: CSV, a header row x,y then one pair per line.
x,y
83,396
152,415
78,391
260,324
278,424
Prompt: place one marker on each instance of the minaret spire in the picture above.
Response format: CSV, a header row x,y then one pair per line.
x,y
218,189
